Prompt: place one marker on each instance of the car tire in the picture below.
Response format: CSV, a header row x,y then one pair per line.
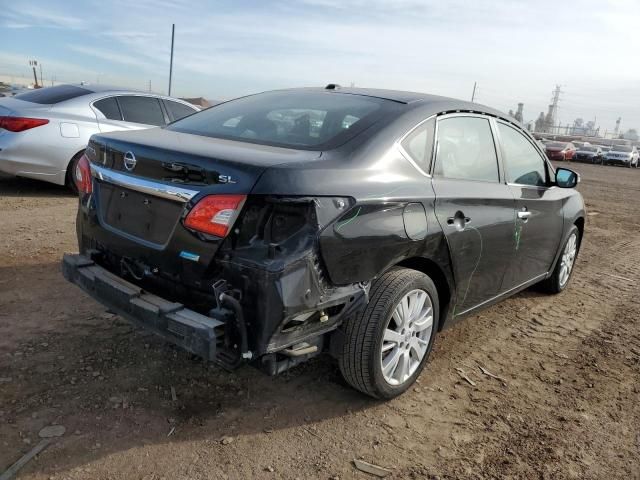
x,y
380,335
71,168
559,279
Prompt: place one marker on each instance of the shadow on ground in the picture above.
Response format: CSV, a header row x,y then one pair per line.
x,y
26,187
93,372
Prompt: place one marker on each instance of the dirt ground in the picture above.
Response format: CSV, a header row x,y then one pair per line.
x,y
566,403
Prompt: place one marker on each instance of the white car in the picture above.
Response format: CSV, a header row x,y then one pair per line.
x,y
44,132
624,155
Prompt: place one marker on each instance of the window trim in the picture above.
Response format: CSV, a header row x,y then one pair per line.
x,y
548,167
408,156
490,119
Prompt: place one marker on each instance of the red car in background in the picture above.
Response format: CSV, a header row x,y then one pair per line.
x,y
560,150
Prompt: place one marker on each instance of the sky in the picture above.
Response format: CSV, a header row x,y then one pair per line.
x,y
516,51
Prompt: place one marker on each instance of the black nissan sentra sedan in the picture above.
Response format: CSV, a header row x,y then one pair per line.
x,y
354,222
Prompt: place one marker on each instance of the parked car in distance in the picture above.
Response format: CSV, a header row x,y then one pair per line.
x,y
44,132
560,150
626,156
590,154
579,144
356,222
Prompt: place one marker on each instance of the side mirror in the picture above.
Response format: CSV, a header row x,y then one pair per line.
x,y
566,178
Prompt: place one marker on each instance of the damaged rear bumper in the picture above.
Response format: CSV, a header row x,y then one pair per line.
x,y
196,333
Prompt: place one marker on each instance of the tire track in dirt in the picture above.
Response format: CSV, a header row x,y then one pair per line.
x,y
565,406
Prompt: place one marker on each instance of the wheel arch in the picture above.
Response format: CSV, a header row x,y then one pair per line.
x,y
69,175
579,222
439,278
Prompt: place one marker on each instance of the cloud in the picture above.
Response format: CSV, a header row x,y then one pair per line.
x,y
516,50
111,56
16,25
35,16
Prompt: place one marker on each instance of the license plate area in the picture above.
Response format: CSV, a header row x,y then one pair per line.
x,y
137,214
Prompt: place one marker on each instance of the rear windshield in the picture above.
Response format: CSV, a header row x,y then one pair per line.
x,y
556,145
589,149
299,119
51,95
623,149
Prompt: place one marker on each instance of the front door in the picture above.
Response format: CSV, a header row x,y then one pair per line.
x,y
474,208
539,217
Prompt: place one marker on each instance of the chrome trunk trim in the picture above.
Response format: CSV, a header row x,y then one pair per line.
x,y
157,189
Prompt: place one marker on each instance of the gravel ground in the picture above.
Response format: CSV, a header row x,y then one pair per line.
x,y
566,403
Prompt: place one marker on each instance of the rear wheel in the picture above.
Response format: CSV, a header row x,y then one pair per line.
x,y
386,347
561,275
71,168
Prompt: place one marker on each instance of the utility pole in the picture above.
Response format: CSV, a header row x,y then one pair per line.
x,y
173,32
149,85
33,64
473,95
41,82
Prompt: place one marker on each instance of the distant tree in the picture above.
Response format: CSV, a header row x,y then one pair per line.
x,y
631,134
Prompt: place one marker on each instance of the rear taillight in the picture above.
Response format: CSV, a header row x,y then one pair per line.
x,y
82,175
215,214
20,124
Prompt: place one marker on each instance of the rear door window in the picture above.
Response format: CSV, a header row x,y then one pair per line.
x,y
466,150
109,108
177,110
140,109
522,162
51,95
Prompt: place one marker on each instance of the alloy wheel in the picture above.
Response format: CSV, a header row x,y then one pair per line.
x,y
568,259
406,337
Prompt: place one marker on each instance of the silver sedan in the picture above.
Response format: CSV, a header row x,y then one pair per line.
x,y
44,132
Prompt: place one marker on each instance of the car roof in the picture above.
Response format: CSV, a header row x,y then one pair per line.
x,y
99,88
436,103
393,95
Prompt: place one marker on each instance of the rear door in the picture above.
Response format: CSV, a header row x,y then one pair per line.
x,y
474,207
539,218
129,112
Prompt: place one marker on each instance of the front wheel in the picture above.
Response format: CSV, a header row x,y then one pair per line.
x,y
559,279
387,345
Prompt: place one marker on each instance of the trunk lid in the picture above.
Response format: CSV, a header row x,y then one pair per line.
x,y
146,180
181,158
15,107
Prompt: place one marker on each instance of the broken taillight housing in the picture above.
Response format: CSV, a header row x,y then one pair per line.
x,y
20,124
82,175
215,214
